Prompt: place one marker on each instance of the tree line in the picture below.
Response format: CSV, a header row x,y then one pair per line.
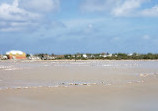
x,y
101,56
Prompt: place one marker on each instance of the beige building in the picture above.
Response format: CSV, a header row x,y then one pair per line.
x,y
14,54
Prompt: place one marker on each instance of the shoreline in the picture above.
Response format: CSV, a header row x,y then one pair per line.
x,y
81,60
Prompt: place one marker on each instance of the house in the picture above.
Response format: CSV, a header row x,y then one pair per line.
x,y
84,55
109,55
4,57
78,55
15,54
104,55
31,57
59,56
130,54
48,57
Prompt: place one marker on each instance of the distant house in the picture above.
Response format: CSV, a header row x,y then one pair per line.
x,y
59,56
109,55
92,56
31,57
78,55
4,57
15,54
48,57
104,55
84,55
130,54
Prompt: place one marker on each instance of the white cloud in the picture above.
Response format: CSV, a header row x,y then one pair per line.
x,y
90,26
127,7
16,3
10,29
15,17
132,8
116,39
13,26
13,12
97,5
151,12
40,5
146,37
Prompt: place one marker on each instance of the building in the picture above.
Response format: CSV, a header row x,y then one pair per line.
x,y
59,56
31,57
84,55
47,57
15,54
130,54
109,55
4,57
104,55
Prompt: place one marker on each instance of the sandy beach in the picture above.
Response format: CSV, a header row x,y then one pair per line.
x,y
79,55
78,86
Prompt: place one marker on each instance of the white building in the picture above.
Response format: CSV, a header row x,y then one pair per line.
x,y
103,55
109,55
84,55
130,54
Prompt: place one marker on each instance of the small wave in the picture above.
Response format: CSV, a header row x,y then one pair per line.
x,y
11,69
148,75
107,65
71,84
5,67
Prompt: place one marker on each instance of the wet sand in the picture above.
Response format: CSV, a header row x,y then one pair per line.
x,y
81,86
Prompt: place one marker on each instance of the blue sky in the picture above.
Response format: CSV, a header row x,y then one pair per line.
x,y
85,26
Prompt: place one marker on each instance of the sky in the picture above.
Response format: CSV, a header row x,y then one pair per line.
x,y
79,26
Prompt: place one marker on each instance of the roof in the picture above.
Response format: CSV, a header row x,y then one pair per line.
x,y
15,52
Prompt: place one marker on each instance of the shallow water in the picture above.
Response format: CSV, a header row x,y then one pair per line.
x,y
78,86
27,74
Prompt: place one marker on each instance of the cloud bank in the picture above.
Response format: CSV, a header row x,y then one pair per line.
x,y
40,5
121,8
24,14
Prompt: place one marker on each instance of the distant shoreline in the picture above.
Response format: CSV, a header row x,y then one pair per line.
x,y
83,60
